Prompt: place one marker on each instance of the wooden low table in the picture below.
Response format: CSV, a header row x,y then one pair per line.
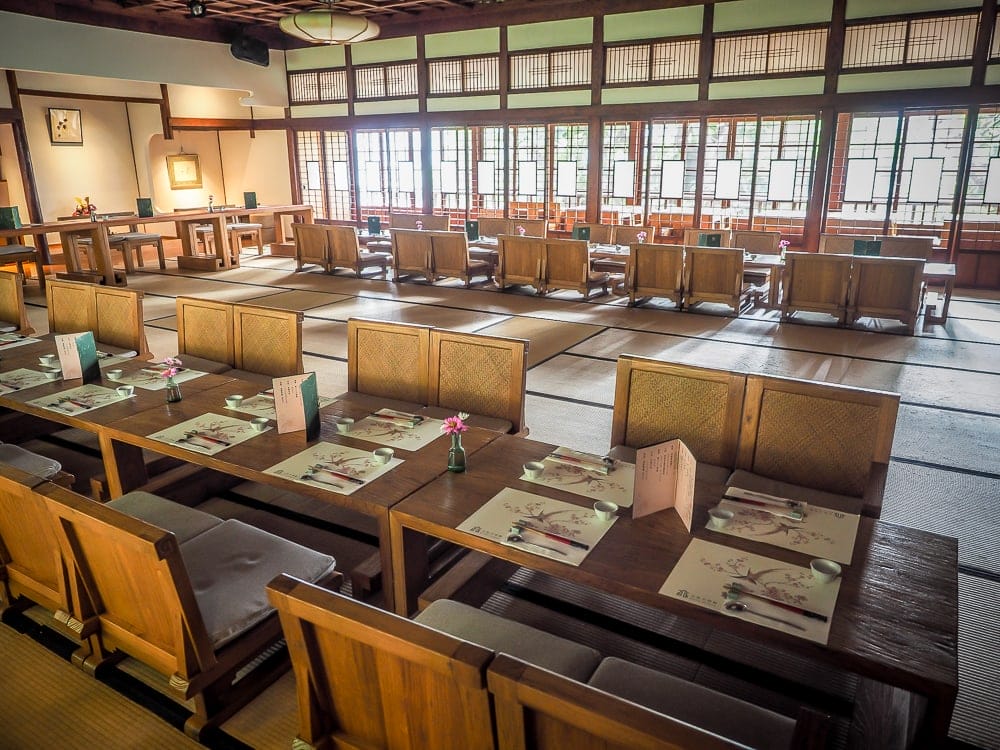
x,y
939,274
896,615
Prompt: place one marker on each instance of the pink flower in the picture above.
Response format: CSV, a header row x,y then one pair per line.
x,y
455,425
520,230
641,236
783,244
420,225
173,366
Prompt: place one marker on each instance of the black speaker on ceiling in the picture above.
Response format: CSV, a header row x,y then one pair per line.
x,y
250,50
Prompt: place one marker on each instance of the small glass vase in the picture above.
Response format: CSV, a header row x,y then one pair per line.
x,y
456,455
173,391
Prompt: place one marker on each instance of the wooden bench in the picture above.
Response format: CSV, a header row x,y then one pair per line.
x,y
12,309
113,314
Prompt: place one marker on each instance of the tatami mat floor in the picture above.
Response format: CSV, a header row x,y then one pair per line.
x,y
945,473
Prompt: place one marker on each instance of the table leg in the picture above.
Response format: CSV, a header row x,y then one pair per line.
x,y
222,241
123,466
410,567
102,254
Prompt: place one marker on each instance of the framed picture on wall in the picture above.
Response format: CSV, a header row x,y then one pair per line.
x,y
184,171
65,127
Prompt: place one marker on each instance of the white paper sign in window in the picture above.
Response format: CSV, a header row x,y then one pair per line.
x,y
486,177
341,180
404,176
860,184
313,181
566,179
781,185
449,177
527,178
623,180
727,179
992,192
373,177
925,181
672,178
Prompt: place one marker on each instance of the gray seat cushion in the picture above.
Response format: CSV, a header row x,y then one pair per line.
x,y
186,523
230,565
523,641
141,236
749,481
244,227
695,704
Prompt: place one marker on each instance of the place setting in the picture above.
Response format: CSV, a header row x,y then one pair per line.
x,y
12,340
23,378
153,377
211,433
83,398
337,468
262,404
585,474
391,427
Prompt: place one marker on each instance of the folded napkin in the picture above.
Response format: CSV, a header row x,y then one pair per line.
x,y
585,461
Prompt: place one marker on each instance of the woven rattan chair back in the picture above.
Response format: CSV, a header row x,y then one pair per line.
x,y
388,359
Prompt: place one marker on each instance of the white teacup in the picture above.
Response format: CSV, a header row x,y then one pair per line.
x,y
47,359
824,571
383,455
534,469
259,423
344,425
719,517
234,401
125,390
605,510
53,374
113,374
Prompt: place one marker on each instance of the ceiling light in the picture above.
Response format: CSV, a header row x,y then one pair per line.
x,y
196,8
329,26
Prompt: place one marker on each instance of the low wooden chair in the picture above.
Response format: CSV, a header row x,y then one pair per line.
x,y
816,283
312,246
368,678
657,401
494,226
715,274
629,235
763,243
450,258
886,288
427,222
818,436
479,374
19,255
567,266
531,227
521,262
345,252
70,306
411,254
896,246
706,237
13,313
840,244
205,330
655,271
267,340
389,360
113,314
598,233
195,612
539,709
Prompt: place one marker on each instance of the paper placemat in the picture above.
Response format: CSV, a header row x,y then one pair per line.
x,y
208,434
10,340
821,532
104,359
151,378
509,506
617,485
78,400
20,379
397,434
706,570
262,405
338,468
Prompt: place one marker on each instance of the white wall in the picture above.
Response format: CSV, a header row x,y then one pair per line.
x,y
258,164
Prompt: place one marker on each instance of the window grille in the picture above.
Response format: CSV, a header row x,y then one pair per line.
x,y
936,39
464,76
776,52
303,87
544,70
659,61
386,81
317,86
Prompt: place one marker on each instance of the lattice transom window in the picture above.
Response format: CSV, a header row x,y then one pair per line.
x,y
333,85
777,52
660,61
461,76
317,86
543,70
386,81
917,40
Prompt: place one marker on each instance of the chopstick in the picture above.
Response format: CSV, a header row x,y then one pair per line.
x,y
600,467
792,515
551,535
345,477
762,498
211,439
735,588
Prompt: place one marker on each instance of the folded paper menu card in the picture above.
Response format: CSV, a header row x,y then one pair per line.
x,y
296,404
664,478
401,418
587,461
78,356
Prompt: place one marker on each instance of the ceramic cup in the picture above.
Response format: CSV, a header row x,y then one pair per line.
x,y
344,425
534,469
113,374
53,374
383,455
719,517
259,423
234,401
47,359
125,390
824,571
605,509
